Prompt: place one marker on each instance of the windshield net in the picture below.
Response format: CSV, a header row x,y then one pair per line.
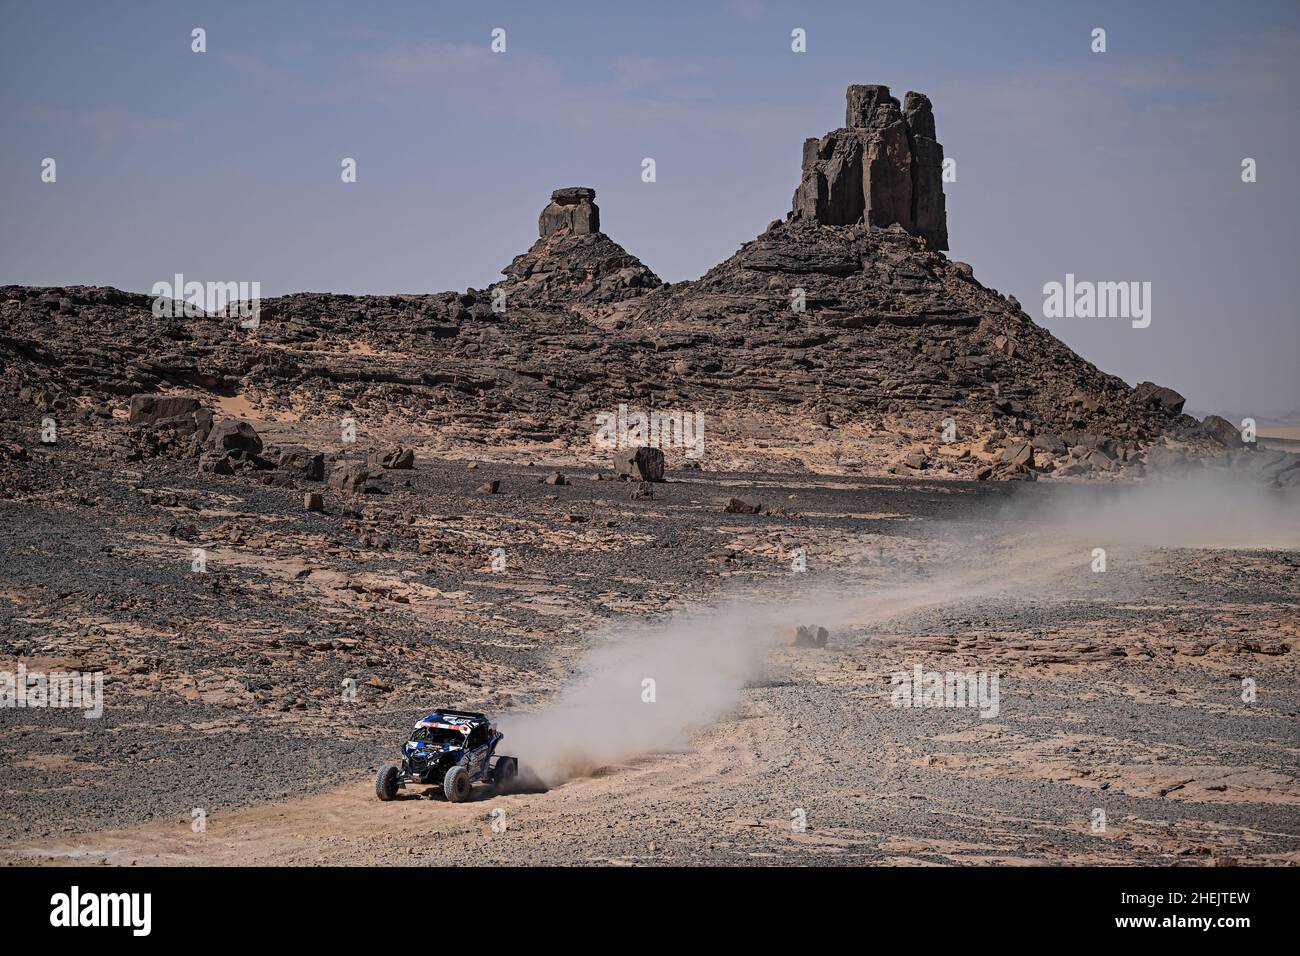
x,y
437,735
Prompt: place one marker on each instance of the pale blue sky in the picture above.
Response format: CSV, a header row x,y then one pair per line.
x,y
225,165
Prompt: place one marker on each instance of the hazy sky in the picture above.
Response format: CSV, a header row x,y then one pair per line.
x,y
226,165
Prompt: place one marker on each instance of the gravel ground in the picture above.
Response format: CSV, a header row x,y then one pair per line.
x,y
268,689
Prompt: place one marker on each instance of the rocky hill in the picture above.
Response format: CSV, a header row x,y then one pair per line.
x,y
842,340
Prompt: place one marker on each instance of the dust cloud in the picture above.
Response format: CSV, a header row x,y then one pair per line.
x,y
1208,509
699,662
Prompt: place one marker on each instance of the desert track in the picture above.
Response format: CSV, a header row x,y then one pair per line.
x,y
1110,699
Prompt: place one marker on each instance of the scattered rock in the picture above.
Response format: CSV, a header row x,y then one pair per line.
x,y
300,461
398,459
1050,442
216,464
915,459
1018,453
349,476
234,435
810,636
737,506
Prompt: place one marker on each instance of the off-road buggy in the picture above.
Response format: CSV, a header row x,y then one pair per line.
x,y
452,748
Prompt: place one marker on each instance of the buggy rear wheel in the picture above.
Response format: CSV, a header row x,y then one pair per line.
x,y
386,782
503,775
456,785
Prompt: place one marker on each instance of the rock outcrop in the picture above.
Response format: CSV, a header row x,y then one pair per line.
x,y
840,348
572,260
884,167
572,211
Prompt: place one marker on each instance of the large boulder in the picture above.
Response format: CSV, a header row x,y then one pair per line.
x,y
810,635
151,409
178,413
1018,453
234,435
395,459
300,461
1158,397
1050,442
349,476
640,464
1222,431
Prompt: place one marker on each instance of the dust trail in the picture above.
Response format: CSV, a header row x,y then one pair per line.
x,y
1209,509
699,662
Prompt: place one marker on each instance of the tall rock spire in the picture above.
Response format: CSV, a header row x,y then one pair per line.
x,y
884,167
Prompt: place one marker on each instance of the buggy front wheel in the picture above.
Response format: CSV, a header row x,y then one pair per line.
x,y
456,785
386,782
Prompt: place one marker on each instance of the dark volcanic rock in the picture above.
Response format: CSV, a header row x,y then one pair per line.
x,y
1157,396
1018,453
639,464
829,316
398,459
883,168
572,211
810,636
349,476
300,461
216,464
573,261
151,409
1222,431
180,414
234,435
1050,442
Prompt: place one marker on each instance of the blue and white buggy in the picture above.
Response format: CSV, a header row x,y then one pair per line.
x,y
454,748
